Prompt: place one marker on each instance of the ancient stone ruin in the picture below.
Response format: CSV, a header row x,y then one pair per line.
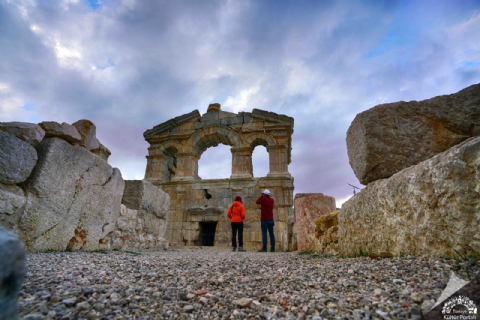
x,y
197,214
58,192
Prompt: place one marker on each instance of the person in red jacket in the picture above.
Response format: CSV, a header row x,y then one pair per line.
x,y
236,213
267,222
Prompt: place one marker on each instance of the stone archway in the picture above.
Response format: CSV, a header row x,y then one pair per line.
x,y
172,165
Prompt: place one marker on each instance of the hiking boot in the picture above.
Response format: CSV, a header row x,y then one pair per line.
x,y
234,249
272,249
240,249
262,250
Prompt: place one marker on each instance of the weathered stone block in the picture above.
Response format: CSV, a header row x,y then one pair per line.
x,y
65,131
69,203
12,273
391,137
17,159
31,133
252,127
430,208
103,152
88,132
308,208
151,203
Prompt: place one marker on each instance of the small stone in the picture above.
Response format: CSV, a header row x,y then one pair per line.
x,y
243,302
188,308
200,292
69,302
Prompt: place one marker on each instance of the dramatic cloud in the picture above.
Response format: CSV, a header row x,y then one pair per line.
x,y
130,65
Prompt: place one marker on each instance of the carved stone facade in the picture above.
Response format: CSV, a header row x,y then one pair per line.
x,y
196,204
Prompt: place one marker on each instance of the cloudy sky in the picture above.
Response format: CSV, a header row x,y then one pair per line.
x,y
130,65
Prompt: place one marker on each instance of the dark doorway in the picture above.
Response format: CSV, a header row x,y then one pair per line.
x,y
207,233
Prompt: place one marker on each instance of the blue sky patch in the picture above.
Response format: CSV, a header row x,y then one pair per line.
x,y
95,4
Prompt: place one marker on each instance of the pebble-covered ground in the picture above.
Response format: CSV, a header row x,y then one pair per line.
x,y
212,284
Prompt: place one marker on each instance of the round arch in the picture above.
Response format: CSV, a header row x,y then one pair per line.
x,y
211,136
259,138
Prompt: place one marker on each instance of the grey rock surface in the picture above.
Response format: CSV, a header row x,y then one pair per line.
x,y
73,199
430,208
65,131
151,203
12,273
102,151
12,199
390,137
87,131
31,133
17,159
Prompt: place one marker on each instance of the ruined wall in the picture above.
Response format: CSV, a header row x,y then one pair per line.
x,y
172,164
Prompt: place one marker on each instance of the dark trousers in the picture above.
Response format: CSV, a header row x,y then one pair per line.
x,y
237,226
268,225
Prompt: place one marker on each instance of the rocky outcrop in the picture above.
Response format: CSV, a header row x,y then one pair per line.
x,y
17,159
430,208
102,151
70,204
31,133
65,131
326,233
391,137
308,208
12,273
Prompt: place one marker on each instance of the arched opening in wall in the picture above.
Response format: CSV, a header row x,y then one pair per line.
x,y
260,161
215,163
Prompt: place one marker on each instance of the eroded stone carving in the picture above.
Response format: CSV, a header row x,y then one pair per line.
x,y
172,164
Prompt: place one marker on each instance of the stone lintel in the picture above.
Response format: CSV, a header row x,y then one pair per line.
x,y
167,125
246,150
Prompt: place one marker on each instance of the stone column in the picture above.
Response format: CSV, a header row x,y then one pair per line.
x,y
187,167
242,163
278,161
157,168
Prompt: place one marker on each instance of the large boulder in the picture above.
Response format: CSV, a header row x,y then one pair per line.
x,y
151,203
31,133
430,208
65,131
326,233
17,159
88,133
73,199
12,273
308,208
390,137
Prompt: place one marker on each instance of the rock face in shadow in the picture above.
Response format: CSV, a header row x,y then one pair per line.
x,y
17,159
73,199
431,208
12,273
308,208
390,137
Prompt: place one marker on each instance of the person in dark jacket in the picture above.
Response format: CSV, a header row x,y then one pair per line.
x,y
267,222
236,213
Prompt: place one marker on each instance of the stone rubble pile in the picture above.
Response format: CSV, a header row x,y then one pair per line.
x,y
326,233
421,161
210,284
57,191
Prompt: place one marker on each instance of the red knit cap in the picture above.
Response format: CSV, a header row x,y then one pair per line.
x,y
239,199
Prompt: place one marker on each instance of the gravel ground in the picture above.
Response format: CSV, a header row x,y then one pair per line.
x,y
213,284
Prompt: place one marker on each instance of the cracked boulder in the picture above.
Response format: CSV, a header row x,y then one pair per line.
x,y
65,131
73,199
390,137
